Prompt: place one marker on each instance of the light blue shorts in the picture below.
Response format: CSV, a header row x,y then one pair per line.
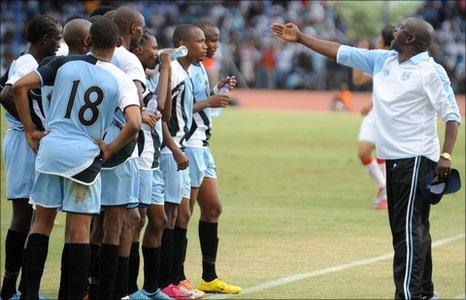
x,y
177,183
52,191
120,185
201,164
157,195
145,186
19,160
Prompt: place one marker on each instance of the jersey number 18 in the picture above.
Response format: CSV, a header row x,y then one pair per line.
x,y
88,104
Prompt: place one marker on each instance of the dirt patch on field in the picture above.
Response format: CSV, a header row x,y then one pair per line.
x,y
304,100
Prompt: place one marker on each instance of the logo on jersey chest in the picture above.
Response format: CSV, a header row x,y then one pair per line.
x,y
199,78
405,75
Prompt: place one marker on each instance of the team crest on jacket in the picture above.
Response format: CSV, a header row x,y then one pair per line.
x,y
405,76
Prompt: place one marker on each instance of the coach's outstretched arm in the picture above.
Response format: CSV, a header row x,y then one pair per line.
x,y
291,33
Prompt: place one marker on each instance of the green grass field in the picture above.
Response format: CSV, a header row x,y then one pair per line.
x,y
297,200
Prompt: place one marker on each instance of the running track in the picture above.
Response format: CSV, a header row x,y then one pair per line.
x,y
304,100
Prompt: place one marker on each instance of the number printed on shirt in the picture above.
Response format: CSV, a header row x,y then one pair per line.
x,y
88,104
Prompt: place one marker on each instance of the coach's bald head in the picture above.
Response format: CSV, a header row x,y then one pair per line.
x,y
422,30
75,33
414,35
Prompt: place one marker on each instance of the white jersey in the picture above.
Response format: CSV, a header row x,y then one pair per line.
x,y
20,67
131,66
150,139
182,105
407,98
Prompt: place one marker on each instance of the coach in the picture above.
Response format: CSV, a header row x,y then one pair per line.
x,y
410,89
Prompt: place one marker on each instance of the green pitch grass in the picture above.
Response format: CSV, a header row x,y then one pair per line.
x,y
296,199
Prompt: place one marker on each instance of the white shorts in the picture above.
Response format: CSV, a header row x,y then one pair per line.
x,y
367,132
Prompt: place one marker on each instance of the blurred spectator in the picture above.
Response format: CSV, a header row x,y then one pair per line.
x,y
247,49
343,99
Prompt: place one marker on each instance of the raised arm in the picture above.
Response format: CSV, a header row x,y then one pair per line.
x,y
163,87
291,33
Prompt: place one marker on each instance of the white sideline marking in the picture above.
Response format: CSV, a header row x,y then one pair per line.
x,y
333,269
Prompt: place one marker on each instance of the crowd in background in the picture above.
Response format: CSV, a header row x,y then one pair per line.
x,y
248,50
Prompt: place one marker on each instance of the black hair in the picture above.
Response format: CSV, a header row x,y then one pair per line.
x,y
146,34
101,10
104,34
204,24
40,26
387,35
182,32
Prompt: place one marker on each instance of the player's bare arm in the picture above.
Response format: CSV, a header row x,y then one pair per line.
x,y
163,85
131,128
180,158
444,164
8,101
291,33
167,108
215,101
20,90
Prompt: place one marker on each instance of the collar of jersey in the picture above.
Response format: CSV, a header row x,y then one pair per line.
x,y
418,58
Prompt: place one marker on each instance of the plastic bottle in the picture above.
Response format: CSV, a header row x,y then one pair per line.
x,y
217,111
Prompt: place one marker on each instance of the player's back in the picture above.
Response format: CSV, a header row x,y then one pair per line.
x,y
86,93
84,98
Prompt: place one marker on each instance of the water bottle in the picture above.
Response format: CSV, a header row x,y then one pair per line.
x,y
181,51
217,111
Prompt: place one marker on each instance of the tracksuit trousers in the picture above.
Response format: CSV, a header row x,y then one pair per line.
x,y
408,212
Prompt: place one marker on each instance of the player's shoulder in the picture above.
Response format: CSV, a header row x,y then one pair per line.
x,y
121,77
24,61
432,69
124,56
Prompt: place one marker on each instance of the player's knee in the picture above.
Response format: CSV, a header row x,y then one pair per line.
x,y
213,212
77,235
133,218
141,224
21,224
111,234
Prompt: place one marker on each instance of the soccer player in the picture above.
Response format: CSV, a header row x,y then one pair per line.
x,y
120,177
409,90
173,162
367,133
43,33
75,35
203,177
157,98
69,158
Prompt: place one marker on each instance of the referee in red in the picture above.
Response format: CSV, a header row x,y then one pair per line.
x,y
409,91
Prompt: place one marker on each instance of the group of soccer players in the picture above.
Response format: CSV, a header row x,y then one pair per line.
x,y
112,134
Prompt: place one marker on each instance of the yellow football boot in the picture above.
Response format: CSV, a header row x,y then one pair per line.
x,y
218,286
